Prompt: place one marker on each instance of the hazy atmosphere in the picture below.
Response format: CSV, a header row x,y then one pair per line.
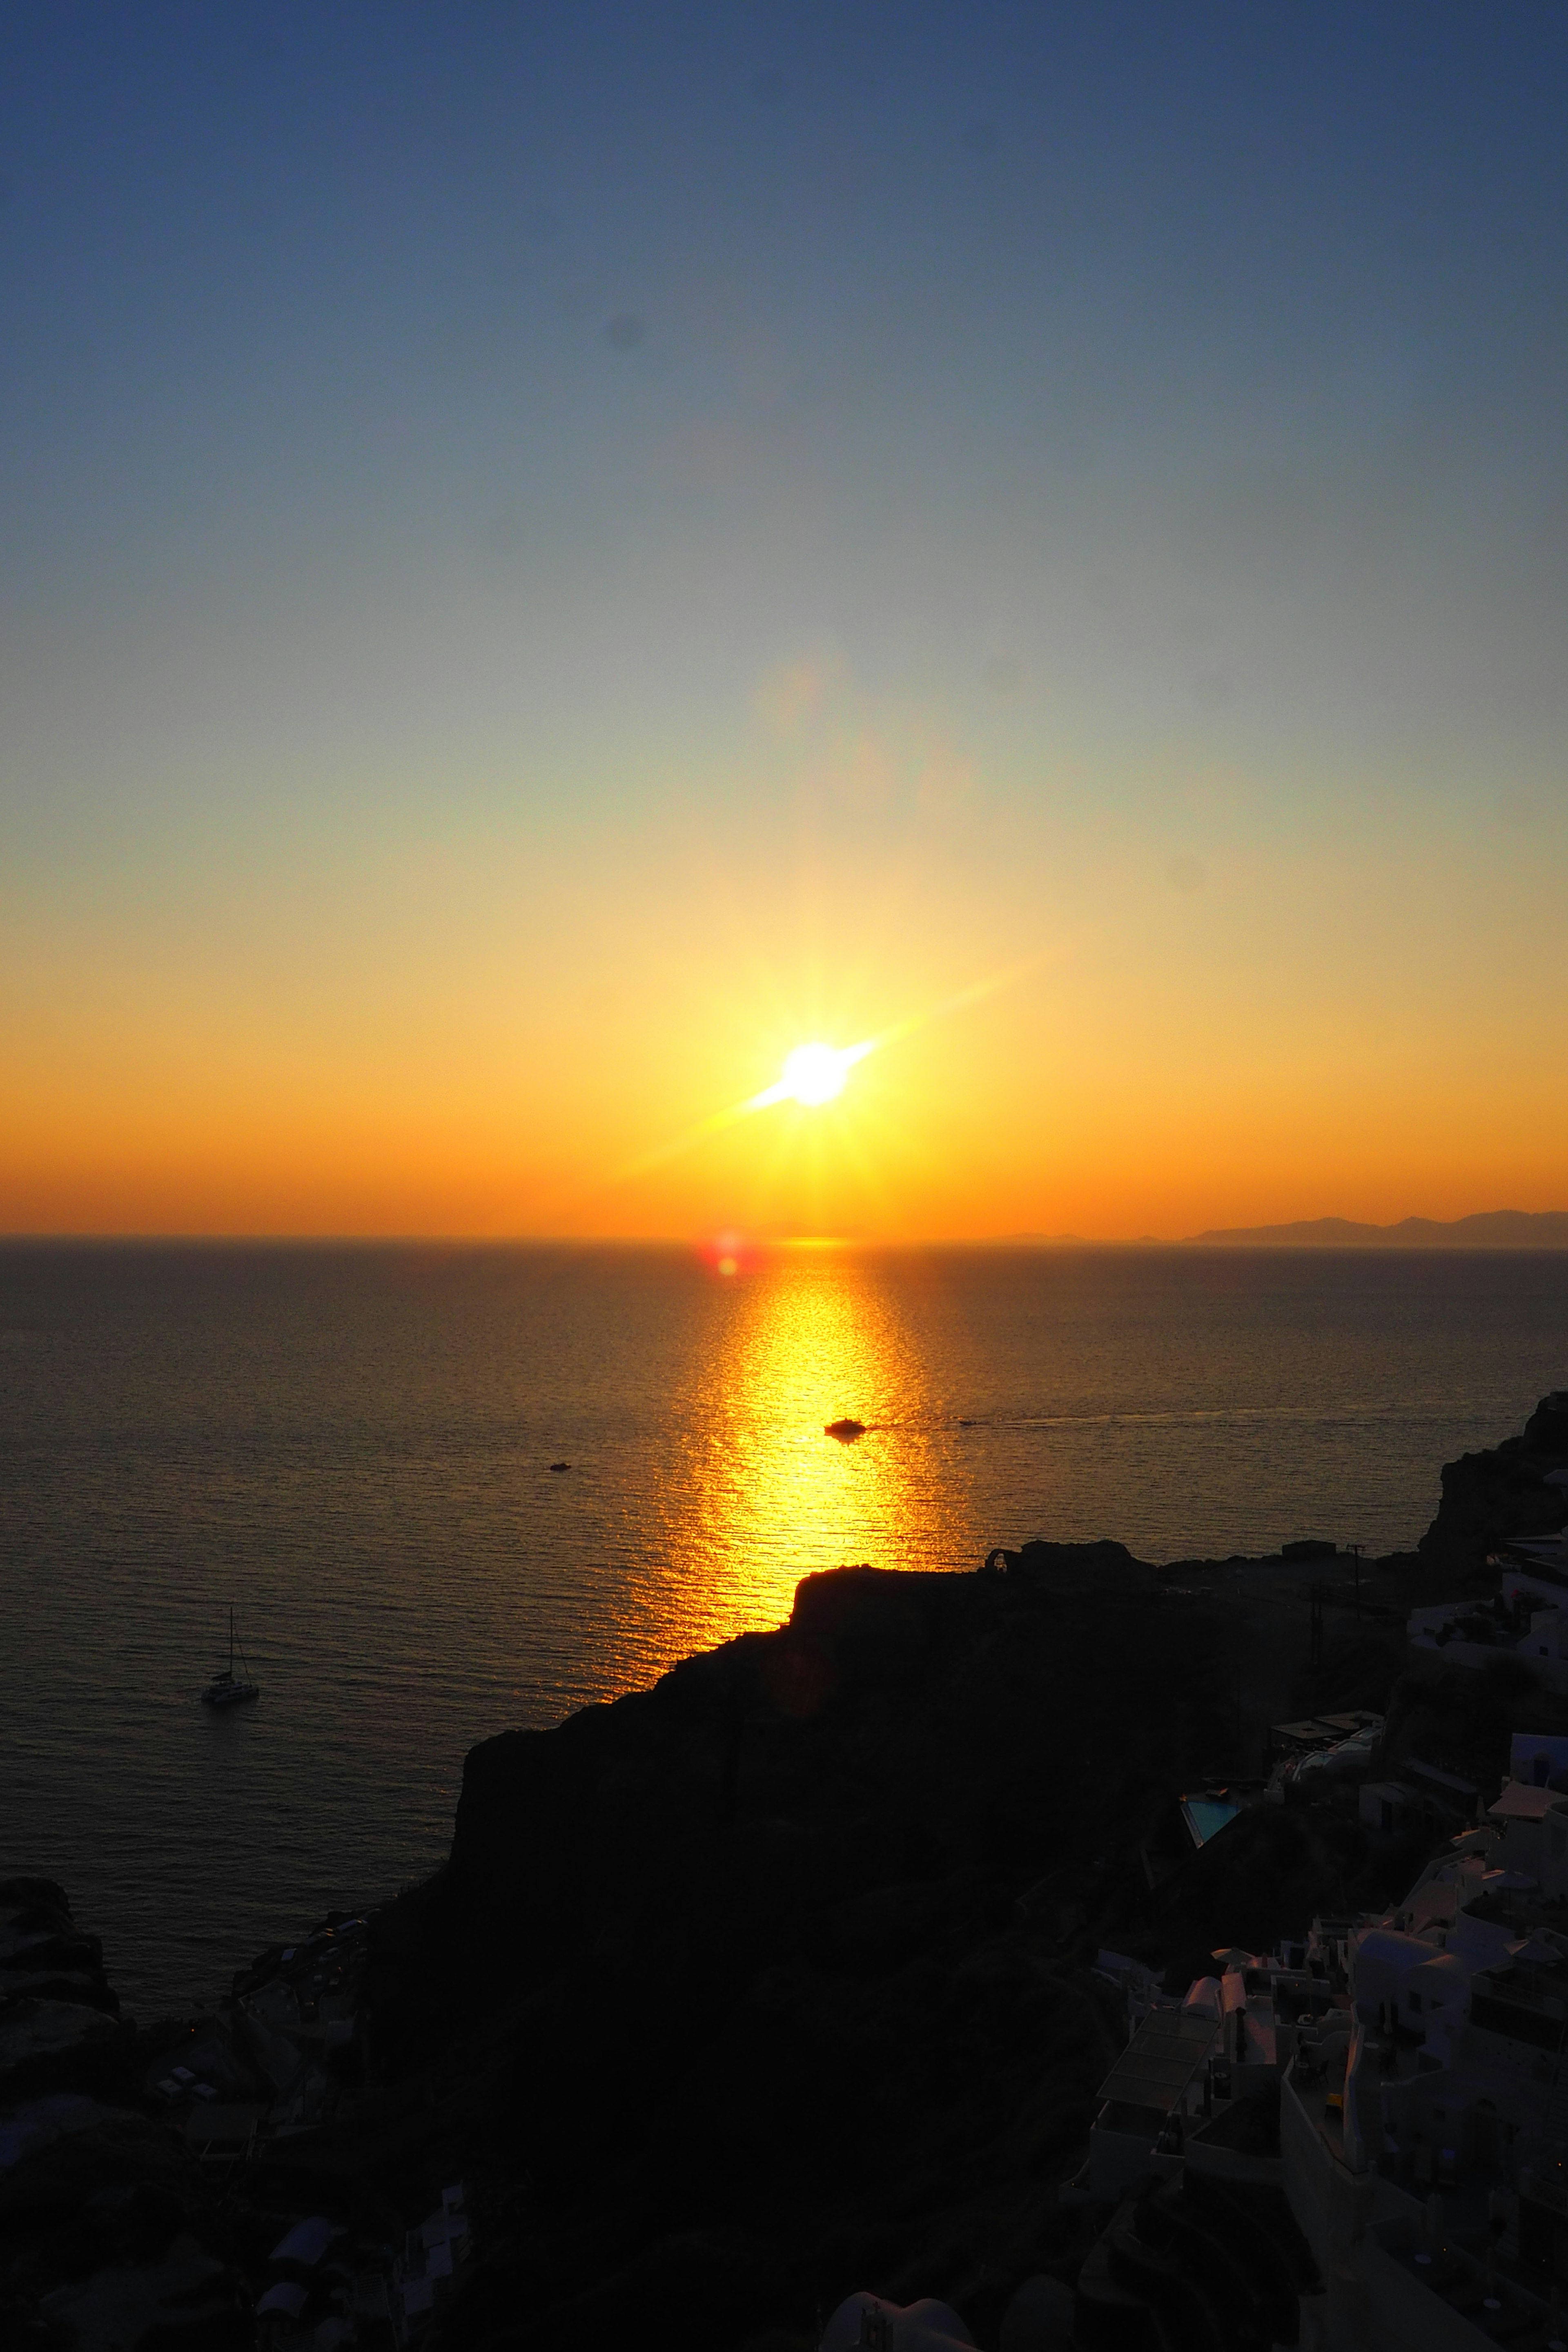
x,y
556,554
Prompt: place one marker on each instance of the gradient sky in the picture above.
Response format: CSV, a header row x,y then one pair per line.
x,y
550,553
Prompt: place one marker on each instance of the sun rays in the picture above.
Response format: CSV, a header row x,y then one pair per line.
x,y
815,1073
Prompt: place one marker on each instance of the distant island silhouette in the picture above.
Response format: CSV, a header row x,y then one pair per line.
x,y
1489,1229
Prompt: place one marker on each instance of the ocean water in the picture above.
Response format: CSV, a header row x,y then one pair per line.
x,y
352,1447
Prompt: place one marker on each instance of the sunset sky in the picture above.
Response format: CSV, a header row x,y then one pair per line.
x,y
552,554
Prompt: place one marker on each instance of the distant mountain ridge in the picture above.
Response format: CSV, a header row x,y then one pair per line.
x,y
1490,1229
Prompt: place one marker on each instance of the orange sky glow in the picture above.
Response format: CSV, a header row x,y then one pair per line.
x,y
506,1036
545,572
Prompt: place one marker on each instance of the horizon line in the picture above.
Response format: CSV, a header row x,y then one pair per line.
x,y
1301,1233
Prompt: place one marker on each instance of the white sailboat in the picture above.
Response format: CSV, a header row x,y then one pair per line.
x,y
226,1688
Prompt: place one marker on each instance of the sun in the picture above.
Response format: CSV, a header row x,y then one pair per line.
x,y
815,1073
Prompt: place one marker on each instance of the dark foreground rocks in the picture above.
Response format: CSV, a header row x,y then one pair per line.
x,y
59,2013
110,2234
1501,1492
767,1984
775,1983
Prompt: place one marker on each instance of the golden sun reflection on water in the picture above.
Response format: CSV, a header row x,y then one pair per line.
x,y
809,1338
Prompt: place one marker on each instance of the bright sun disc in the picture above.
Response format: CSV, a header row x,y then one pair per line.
x,y
815,1073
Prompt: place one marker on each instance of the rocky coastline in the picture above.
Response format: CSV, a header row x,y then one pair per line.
x,y
769,1983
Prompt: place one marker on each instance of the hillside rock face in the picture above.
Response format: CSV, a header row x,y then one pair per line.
x,y
761,2020
57,2008
769,1984
1501,1492
109,2234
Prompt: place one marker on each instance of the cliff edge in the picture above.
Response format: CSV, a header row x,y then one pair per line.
x,y
1501,1492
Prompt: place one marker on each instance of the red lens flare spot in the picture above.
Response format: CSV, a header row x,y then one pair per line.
x,y
728,1255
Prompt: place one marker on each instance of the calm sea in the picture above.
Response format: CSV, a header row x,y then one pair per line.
x,y
351,1446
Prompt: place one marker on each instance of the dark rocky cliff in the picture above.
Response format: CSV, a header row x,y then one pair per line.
x,y
108,2232
763,2016
769,1982
1501,1492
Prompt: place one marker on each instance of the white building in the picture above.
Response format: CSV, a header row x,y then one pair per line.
x,y
1420,2064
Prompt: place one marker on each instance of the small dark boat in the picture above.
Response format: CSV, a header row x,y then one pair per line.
x,y
226,1688
560,1465
846,1431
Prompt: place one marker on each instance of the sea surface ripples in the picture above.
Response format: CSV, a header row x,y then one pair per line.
x,y
351,1446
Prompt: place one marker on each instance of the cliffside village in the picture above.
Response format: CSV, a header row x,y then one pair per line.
x,y
228,2094
1357,2142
